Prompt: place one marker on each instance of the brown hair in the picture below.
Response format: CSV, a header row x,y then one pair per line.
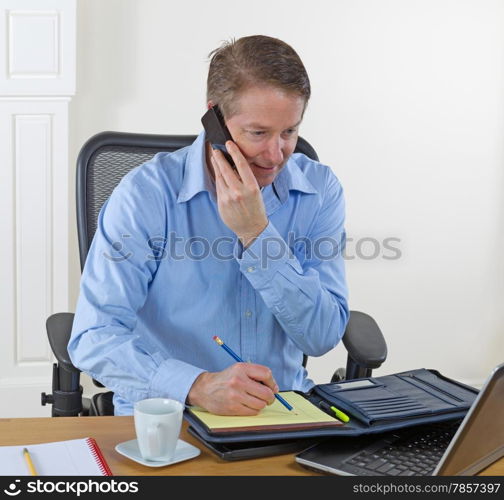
x,y
254,60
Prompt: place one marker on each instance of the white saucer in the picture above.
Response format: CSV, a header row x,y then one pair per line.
x,y
183,451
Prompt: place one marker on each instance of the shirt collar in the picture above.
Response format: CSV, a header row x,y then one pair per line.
x,y
197,177
291,178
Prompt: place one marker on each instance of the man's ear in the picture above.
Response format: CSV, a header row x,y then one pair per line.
x,y
210,104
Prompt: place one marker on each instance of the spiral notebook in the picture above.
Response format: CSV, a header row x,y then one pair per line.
x,y
75,457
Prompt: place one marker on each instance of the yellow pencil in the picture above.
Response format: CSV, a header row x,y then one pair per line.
x,y
28,459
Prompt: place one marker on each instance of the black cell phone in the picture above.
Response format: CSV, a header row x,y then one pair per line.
x,y
216,131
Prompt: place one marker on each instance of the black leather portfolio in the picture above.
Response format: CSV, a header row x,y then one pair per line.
x,y
373,405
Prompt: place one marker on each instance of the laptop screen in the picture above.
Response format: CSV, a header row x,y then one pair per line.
x,y
479,441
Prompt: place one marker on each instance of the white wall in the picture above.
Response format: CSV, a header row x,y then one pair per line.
x,y
407,108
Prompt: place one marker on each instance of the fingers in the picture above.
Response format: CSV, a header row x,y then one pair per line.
x,y
241,163
261,374
248,381
242,174
224,170
252,405
220,182
237,390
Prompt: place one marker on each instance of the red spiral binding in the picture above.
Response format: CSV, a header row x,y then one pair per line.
x,y
98,456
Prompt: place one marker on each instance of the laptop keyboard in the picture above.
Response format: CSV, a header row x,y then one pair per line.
x,y
415,454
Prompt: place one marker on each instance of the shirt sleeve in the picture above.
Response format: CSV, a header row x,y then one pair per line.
x,y
305,287
119,269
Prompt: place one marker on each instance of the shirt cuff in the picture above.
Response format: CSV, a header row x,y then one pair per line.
x,y
265,256
174,379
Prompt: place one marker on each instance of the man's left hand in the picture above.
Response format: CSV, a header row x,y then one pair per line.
x,y
239,197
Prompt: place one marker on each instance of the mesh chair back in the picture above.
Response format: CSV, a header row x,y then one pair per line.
x,y
106,168
107,157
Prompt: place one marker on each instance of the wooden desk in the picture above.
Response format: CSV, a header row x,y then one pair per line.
x,y
109,431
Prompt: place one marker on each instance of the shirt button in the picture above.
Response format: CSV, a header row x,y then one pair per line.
x,y
250,269
248,314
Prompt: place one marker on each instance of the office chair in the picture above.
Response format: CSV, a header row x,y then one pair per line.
x,y
102,162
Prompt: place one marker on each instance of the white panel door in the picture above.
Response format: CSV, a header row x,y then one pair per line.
x,y
33,252
37,78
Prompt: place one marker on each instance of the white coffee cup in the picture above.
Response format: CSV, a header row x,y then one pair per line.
x,y
157,425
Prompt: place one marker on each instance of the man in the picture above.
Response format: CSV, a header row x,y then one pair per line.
x,y
187,248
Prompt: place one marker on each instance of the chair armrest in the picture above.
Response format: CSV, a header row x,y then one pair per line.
x,y
59,328
364,341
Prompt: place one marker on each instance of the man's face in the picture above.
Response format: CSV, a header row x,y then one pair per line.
x,y
265,128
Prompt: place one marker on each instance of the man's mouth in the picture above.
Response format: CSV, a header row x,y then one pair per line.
x,y
262,168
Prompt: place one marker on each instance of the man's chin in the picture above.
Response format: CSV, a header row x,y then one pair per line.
x,y
264,181
264,176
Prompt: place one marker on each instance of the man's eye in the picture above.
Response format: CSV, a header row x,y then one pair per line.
x,y
290,131
257,133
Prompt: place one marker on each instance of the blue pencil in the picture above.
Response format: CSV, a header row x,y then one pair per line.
x,y
237,358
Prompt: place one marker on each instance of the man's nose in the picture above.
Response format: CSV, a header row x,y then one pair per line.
x,y
274,151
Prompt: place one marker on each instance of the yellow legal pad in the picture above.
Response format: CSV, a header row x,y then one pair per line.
x,y
274,417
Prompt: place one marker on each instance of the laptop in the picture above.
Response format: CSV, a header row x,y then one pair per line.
x,y
461,447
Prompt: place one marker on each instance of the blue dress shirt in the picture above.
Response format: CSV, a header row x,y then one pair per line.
x,y
164,275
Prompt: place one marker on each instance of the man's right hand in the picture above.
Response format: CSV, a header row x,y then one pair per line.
x,y
237,390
